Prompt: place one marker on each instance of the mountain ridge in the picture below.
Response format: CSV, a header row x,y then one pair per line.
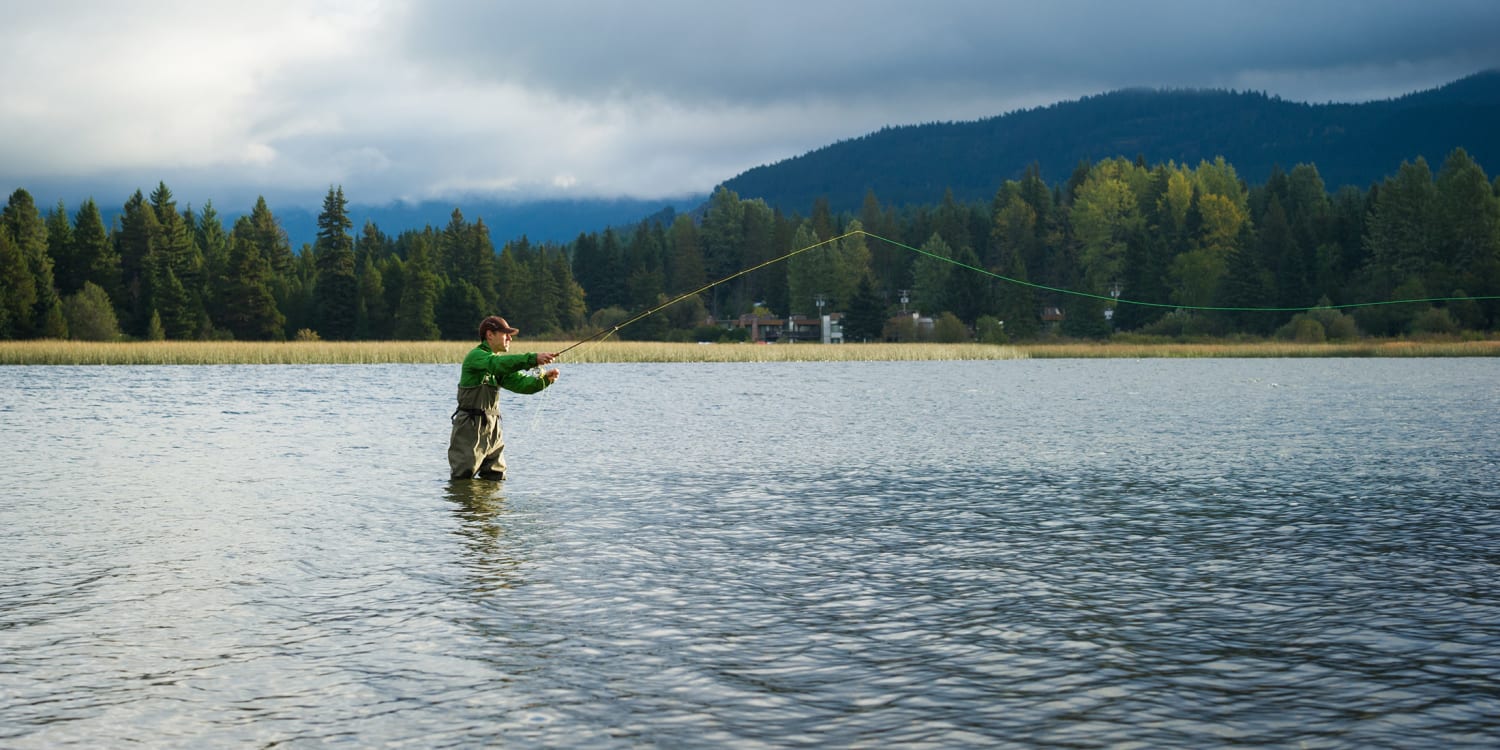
x,y
1351,144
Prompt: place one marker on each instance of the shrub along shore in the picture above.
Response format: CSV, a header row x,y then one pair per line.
x,y
53,352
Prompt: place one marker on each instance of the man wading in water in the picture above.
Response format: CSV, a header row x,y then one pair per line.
x,y
477,444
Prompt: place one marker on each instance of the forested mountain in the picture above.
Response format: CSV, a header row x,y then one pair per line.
x,y
1352,144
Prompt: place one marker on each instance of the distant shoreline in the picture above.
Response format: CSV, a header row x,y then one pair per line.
x,y
52,352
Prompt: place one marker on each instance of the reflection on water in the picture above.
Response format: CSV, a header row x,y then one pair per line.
x,y
479,506
1021,554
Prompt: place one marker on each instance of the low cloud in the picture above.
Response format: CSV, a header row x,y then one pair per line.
x,y
414,100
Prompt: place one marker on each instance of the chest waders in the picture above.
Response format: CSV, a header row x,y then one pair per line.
x,y
477,444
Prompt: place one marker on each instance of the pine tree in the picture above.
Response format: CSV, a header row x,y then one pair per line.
x,y
723,236
135,243
512,279
597,267
571,310
821,220
1402,227
1277,249
1347,217
67,270
17,289
759,247
1248,283
177,271
416,315
372,317
970,293
588,270
270,238
337,287
527,292
645,283
865,316
891,265
1144,280
28,231
850,265
213,242
372,244
808,274
644,255
296,292
479,249
248,304
1468,214
1309,212
1012,240
546,293
686,269
449,253
170,302
94,252
459,309
930,275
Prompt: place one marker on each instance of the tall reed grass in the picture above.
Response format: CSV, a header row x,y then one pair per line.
x,y
53,352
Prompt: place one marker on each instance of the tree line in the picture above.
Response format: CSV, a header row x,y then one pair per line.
x,y
1181,238
165,273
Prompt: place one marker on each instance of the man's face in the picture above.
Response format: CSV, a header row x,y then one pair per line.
x,y
498,340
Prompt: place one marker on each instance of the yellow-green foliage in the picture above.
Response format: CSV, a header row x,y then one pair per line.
x,y
52,352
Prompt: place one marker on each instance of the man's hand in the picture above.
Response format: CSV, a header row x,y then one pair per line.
x,y
550,376
543,358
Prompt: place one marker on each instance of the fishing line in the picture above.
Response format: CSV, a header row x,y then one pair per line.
x,y
1058,290
536,411
611,331
1125,301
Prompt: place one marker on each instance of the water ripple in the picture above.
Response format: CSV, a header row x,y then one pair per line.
x,y
1016,555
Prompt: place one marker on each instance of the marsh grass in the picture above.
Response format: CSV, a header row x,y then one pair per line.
x,y
53,352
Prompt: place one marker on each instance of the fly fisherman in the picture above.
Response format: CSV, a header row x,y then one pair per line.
x,y
477,444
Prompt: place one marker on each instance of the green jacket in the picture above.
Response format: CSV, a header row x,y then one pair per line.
x,y
483,366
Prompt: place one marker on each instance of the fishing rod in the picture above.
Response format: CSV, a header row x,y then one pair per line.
x,y
611,331
1021,282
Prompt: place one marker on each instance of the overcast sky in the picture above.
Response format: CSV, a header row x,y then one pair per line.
x,y
448,99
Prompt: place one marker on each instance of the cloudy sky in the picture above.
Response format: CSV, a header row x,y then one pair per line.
x,y
447,99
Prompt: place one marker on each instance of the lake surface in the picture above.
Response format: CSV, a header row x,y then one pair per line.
x,y
1074,553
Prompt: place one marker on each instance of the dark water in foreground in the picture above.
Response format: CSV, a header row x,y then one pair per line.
x,y
1284,553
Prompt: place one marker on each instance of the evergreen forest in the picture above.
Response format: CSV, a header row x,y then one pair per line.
x,y
1352,144
1180,237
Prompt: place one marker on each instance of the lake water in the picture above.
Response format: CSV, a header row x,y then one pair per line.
x,y
1159,553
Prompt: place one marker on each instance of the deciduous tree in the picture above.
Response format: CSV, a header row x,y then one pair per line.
x,y
90,314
